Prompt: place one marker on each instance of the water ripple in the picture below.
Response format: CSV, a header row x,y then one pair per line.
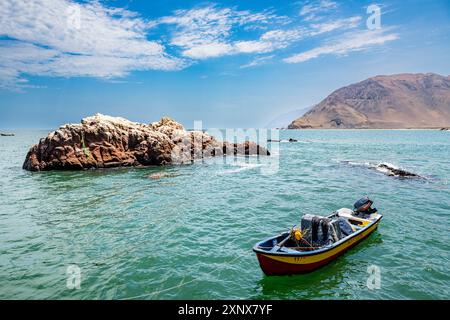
x,y
189,234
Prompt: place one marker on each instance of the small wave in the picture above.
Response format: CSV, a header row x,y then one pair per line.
x,y
355,164
242,167
290,140
299,141
160,175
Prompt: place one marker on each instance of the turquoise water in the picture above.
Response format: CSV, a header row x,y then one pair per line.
x,y
189,235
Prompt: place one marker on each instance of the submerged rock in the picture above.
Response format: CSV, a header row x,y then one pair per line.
x,y
102,141
391,171
386,168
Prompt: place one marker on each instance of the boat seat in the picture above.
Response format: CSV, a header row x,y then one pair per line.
x,y
350,214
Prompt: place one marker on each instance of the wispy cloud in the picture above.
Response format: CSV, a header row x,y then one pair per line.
x,y
63,38
205,32
258,61
282,38
346,23
349,42
313,10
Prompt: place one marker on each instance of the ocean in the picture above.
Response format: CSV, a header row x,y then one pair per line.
x,y
188,232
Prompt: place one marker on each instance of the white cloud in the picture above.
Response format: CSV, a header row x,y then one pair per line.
x,y
208,50
271,41
282,38
207,32
67,39
313,10
63,38
350,42
348,23
258,61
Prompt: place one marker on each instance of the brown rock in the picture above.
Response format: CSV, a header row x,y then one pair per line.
x,y
391,171
103,142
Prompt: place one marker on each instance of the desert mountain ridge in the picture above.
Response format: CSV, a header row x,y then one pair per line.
x,y
400,101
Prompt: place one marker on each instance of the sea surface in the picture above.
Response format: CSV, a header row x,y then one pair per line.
x,y
189,234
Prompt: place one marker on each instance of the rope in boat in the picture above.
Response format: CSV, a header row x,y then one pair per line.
x,y
296,241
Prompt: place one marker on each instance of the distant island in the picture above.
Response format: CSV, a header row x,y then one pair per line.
x,y
401,101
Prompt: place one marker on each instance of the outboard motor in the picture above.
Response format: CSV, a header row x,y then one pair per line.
x,y
364,207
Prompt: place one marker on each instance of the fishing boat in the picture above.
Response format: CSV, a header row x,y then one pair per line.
x,y
318,241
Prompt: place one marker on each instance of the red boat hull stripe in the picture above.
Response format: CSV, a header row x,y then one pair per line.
x,y
274,267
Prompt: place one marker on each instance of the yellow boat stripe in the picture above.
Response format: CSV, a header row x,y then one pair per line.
x,y
321,256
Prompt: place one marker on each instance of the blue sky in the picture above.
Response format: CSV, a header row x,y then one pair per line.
x,y
227,63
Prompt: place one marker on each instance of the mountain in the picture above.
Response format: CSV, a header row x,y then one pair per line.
x,y
384,102
283,120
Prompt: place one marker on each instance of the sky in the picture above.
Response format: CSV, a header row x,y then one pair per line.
x,y
230,64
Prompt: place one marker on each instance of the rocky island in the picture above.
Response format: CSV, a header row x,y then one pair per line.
x,y
102,141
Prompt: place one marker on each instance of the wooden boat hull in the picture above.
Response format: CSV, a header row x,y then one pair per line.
x,y
285,264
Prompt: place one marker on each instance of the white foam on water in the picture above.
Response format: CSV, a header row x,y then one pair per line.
x,y
389,165
377,166
299,141
374,165
357,164
242,166
383,170
386,170
274,153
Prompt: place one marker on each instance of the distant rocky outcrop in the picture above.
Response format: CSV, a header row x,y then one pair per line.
x,y
276,140
384,102
6,134
103,142
386,168
396,172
